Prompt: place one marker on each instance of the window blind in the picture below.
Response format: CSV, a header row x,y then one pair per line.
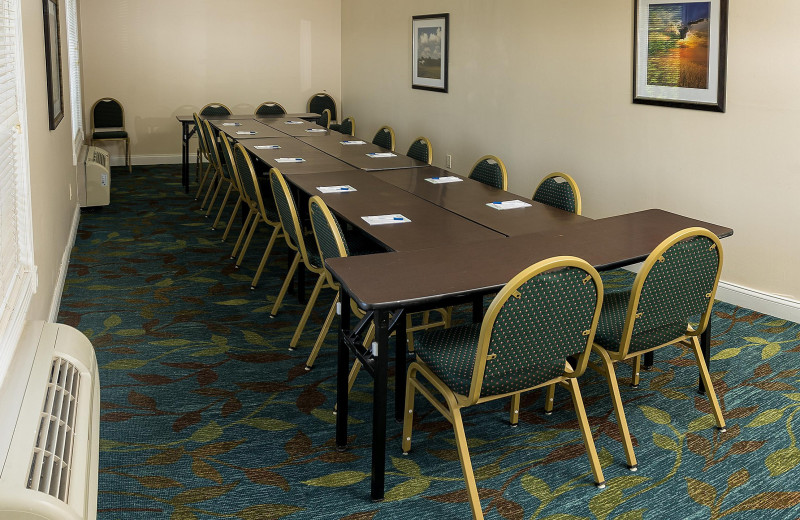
x,y
74,60
17,274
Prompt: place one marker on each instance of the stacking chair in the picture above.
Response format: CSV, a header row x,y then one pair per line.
x,y
676,284
260,210
226,146
215,109
490,170
346,127
544,315
324,120
226,177
421,150
293,233
205,149
108,124
218,177
270,108
319,102
384,138
201,153
560,191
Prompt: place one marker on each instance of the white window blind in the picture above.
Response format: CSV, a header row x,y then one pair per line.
x,y
74,59
17,273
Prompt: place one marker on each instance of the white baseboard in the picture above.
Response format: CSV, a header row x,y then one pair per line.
x,y
765,303
119,160
55,303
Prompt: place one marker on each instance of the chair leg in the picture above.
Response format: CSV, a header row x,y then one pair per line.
x,y
586,432
250,215
214,197
285,286
307,312
326,326
246,245
704,374
233,217
212,183
548,399
466,465
203,180
222,206
637,368
513,416
616,399
264,258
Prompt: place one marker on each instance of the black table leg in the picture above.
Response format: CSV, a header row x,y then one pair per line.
x,y
379,404
647,360
477,309
400,365
185,154
342,372
705,346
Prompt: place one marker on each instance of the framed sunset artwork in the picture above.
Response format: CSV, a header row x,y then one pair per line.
x,y
680,53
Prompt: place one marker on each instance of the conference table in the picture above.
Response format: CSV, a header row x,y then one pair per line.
x,y
453,245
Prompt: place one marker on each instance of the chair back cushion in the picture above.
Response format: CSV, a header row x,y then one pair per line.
x,y
348,126
227,162
324,120
556,191
384,138
211,144
215,109
319,102
287,211
420,150
107,113
327,230
270,108
489,170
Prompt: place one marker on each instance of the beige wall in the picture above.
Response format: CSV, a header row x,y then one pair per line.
x,y
546,85
51,171
165,58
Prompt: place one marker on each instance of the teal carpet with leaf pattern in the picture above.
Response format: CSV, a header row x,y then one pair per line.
x,y
205,413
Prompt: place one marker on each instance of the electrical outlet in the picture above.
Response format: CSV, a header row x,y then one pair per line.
x,y
449,161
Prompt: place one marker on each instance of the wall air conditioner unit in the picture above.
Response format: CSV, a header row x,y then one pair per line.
x,y
93,177
49,433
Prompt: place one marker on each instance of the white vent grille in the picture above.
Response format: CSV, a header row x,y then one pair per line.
x,y
100,156
51,461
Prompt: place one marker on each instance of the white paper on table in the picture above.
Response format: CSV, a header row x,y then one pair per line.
x,y
231,124
444,180
381,155
292,122
315,130
289,159
508,204
241,132
267,147
378,220
352,142
336,189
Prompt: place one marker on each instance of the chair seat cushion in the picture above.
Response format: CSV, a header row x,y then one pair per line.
x,y
450,354
114,134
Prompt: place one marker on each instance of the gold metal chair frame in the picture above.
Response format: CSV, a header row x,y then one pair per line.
x,y
498,161
237,186
427,143
214,159
574,185
205,134
126,139
690,338
391,132
328,125
453,402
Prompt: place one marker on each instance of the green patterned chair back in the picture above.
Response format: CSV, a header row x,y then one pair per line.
x,y
676,284
490,170
545,314
560,191
327,232
228,163
287,210
270,108
324,120
384,138
215,109
348,126
421,150
107,113
211,145
198,127
321,101
249,180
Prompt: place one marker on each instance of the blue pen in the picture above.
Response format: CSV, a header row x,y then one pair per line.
x,y
496,202
435,178
345,189
398,218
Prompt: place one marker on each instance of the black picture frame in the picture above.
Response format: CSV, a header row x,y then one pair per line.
x,y
680,53
430,48
52,52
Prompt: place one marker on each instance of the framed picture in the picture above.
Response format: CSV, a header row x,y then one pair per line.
x,y
52,53
680,53
429,50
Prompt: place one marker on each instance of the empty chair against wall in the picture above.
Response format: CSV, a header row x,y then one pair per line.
x,y
384,138
270,108
108,124
319,102
490,170
421,150
346,127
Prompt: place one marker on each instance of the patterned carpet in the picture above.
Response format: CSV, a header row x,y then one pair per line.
x,y
207,415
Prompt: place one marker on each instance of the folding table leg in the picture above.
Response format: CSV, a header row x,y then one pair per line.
x,y
379,404
400,366
342,372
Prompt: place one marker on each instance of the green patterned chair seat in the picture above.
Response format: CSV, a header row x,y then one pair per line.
x,y
112,134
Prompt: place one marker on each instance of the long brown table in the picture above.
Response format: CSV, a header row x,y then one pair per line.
x,y
314,161
357,154
386,285
244,128
293,126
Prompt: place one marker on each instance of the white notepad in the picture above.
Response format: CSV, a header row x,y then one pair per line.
x,y
315,130
352,142
242,132
292,122
336,189
289,159
508,204
267,147
378,220
444,180
381,155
